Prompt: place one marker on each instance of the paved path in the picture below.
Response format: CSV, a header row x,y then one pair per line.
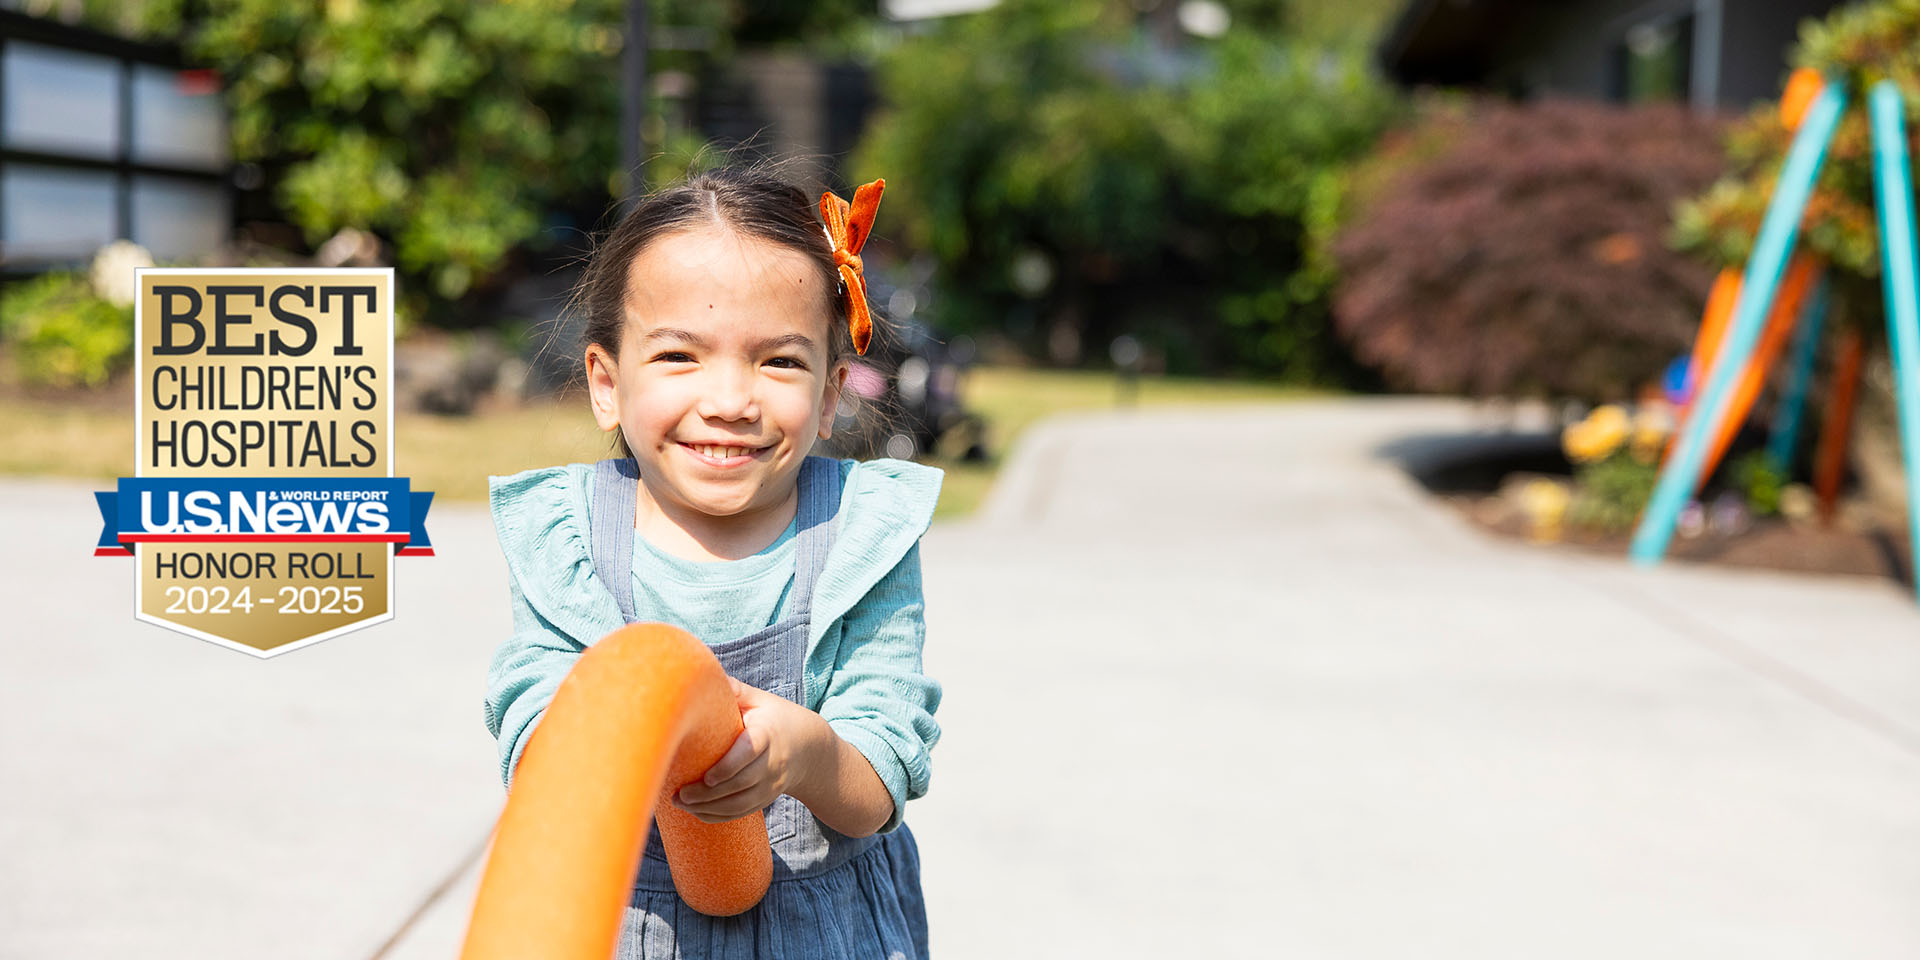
x,y
1270,702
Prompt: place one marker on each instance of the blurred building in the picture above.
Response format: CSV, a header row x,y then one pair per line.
x,y
103,138
785,105
1714,54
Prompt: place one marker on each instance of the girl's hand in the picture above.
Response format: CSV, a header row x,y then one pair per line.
x,y
770,757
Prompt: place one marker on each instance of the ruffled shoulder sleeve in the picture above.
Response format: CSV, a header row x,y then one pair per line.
x,y
885,506
541,518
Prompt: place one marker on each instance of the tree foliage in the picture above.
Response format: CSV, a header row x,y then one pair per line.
x,y
1527,255
451,129
1068,170
1857,46
446,128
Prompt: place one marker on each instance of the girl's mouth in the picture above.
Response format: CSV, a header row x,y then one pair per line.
x,y
714,455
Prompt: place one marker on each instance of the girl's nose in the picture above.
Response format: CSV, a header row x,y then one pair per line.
x,y
729,396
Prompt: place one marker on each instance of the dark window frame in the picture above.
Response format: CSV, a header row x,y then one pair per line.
x,y
20,28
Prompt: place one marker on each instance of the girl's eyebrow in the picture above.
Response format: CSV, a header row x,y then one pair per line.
x,y
675,333
799,340
784,340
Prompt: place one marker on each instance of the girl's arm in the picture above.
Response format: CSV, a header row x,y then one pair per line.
x,y
879,706
527,668
840,787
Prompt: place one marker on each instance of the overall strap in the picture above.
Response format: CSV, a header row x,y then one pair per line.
x,y
611,516
818,523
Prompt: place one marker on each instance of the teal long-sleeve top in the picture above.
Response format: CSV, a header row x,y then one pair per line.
x,y
863,667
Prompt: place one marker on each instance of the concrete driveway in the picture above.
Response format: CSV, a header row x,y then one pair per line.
x,y
1219,682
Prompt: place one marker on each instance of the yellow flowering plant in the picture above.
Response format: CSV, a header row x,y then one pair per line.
x,y
1598,436
1616,457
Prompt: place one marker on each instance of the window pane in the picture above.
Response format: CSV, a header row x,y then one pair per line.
x,y
60,101
54,214
174,126
179,219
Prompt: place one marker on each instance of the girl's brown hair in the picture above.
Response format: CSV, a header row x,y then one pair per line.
x,y
754,202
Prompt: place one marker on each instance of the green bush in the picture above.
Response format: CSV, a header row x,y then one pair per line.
x,y
1760,481
62,334
1610,493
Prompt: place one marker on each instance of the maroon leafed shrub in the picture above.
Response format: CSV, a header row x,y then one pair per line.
x,y
1528,255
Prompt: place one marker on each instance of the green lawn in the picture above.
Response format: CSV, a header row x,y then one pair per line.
x,y
453,456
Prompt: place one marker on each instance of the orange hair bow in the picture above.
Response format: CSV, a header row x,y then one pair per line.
x,y
847,230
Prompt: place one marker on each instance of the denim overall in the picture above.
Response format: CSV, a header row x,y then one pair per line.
x,y
832,895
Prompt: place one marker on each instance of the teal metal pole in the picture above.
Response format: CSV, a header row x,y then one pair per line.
x,y
1893,188
1793,401
1681,475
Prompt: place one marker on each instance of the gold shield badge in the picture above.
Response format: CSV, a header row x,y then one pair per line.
x,y
263,514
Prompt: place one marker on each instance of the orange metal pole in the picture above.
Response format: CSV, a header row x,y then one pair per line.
x,y
1830,461
1713,324
1803,85
1794,288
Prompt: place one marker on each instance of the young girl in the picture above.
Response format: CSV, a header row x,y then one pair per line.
x,y
720,315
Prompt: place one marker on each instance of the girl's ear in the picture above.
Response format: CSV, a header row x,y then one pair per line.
x,y
602,381
830,400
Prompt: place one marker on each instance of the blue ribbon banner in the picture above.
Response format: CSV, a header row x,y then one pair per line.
x,y
264,510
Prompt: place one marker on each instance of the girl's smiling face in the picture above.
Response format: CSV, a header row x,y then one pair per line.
x,y
722,381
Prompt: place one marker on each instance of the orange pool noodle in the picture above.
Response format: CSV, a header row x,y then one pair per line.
x,y
645,711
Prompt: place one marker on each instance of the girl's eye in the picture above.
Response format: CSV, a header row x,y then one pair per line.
x,y
788,362
673,356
